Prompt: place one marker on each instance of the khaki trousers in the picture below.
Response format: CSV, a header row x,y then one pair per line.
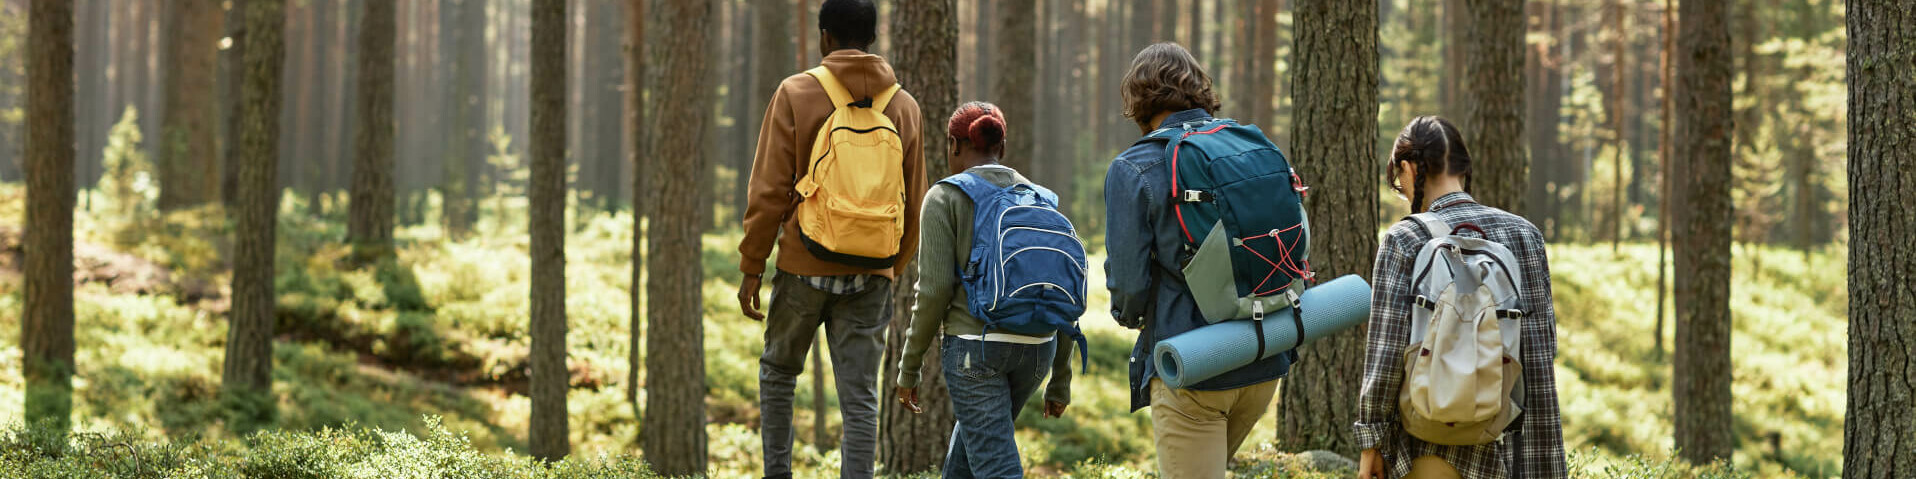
x,y
1198,431
1431,467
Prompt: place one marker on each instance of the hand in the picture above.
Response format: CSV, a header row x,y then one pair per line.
x,y
1054,409
748,298
1370,465
909,398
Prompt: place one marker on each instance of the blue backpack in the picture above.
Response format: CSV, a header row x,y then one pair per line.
x,y
1026,274
1239,206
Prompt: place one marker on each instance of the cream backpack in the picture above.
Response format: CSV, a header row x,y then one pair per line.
x,y
1463,381
853,211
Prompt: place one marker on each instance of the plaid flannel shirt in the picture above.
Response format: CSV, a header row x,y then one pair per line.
x,y
1377,424
841,285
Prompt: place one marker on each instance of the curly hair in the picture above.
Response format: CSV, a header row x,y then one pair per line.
x,y
1164,77
1435,146
978,124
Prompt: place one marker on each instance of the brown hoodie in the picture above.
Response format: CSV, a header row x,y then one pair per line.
x,y
798,109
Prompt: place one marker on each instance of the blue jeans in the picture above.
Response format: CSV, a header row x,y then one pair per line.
x,y
989,384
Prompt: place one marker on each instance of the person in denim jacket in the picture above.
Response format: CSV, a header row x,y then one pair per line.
x,y
1196,428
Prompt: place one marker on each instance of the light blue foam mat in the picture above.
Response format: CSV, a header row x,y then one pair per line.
x,y
1206,352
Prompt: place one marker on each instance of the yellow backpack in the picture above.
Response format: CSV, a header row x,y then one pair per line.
x,y
853,206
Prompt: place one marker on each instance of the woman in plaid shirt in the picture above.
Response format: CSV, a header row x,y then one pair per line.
x,y
1431,159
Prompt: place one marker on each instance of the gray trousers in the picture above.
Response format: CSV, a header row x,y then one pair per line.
x,y
855,331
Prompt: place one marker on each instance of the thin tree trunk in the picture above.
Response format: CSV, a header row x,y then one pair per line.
x,y
675,400
189,165
1702,239
1665,151
370,225
926,53
46,329
1880,416
1619,109
247,377
1493,126
1013,87
636,134
546,194
1336,137
234,76
1456,44
1264,77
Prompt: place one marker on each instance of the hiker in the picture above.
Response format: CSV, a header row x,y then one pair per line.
x,y
836,183
1415,419
1196,428
990,366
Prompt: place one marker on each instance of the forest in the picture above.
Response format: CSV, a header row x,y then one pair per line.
x,y
500,238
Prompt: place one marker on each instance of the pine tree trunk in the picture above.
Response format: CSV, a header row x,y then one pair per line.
x,y
675,399
1335,137
546,195
189,166
247,377
1264,76
1702,233
234,75
1665,155
46,329
1456,44
637,134
370,224
1880,419
1493,125
925,39
464,50
1013,87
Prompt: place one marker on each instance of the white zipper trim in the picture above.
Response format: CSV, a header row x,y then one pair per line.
x,y
1060,288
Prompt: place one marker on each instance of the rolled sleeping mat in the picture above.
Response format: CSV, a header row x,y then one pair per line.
x,y
1206,352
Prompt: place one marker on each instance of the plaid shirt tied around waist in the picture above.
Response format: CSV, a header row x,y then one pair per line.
x,y
1377,427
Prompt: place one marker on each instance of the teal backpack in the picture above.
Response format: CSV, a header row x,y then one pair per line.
x,y
1239,206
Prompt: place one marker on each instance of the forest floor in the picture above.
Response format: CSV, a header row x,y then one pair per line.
x,y
442,333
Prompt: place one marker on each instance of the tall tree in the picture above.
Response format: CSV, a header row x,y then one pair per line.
x,y
1335,135
46,329
248,376
1264,75
1702,233
1493,124
1665,153
370,225
1014,86
233,74
1881,411
189,166
925,39
1456,46
546,194
675,402
635,129
463,30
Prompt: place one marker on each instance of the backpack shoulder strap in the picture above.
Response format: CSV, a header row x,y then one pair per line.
x,y
883,98
1431,223
974,186
833,89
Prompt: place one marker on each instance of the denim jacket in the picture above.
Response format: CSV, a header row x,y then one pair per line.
x,y
1141,269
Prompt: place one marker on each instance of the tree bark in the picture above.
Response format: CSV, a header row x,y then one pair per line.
x,y
189,165
1493,126
925,39
233,77
370,224
464,49
636,133
1880,422
546,194
1013,87
1456,46
1702,233
1335,135
247,377
1264,68
46,329
675,401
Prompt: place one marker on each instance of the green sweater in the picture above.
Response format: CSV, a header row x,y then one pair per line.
x,y
944,241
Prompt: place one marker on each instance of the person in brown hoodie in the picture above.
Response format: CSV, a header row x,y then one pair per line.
x,y
853,303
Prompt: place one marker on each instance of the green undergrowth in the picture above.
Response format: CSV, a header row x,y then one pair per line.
x,y
441,332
